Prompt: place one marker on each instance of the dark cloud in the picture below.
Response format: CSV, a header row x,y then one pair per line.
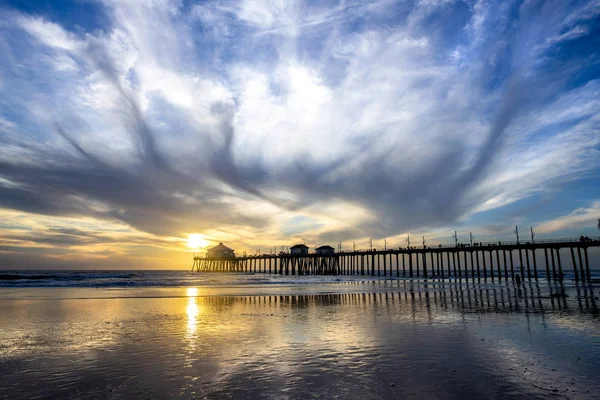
x,y
157,197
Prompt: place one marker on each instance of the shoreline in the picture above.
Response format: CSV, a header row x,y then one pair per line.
x,y
378,339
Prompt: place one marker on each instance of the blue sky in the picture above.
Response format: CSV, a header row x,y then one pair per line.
x,y
127,126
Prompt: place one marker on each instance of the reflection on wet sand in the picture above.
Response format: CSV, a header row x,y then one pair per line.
x,y
192,310
431,295
390,339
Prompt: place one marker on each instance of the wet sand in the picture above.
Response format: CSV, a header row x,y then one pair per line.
x,y
363,340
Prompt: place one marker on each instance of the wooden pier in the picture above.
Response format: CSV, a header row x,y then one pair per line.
x,y
502,260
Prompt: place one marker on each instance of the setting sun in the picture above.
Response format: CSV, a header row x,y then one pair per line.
x,y
196,241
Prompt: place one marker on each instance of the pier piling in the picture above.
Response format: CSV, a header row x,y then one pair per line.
x,y
587,264
353,263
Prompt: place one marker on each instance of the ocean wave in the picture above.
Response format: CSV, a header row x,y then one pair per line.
x,y
131,279
65,275
13,277
109,279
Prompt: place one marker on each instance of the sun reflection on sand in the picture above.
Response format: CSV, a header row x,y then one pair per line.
x,y
192,311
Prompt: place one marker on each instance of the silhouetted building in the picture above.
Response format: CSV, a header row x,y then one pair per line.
x,y
220,251
299,250
325,250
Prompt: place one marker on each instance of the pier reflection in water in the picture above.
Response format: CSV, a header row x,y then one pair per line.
x,y
433,296
383,339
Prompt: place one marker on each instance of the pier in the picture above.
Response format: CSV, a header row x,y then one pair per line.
x,y
482,261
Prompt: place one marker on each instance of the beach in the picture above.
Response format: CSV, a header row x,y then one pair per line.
x,y
355,338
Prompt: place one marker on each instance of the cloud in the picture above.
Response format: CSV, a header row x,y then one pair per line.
x,y
582,217
49,33
364,118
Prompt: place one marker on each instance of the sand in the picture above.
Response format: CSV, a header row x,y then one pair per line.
x,y
364,340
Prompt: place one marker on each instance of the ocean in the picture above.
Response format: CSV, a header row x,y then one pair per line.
x,y
177,334
123,279
178,278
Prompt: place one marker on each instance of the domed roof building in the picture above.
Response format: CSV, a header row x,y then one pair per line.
x,y
220,251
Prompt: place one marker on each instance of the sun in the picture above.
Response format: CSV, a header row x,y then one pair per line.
x,y
196,241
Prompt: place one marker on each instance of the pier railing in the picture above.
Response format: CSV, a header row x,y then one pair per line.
x,y
497,260
461,245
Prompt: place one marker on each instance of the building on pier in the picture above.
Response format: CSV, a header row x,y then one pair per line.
x,y
502,261
325,250
220,251
299,250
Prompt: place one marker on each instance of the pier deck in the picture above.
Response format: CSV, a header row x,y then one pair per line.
x,y
501,260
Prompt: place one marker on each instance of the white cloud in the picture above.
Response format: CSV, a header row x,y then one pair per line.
x,y
49,33
379,125
580,218
264,14
7,125
574,33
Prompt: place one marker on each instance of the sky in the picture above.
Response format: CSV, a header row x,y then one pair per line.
x,y
127,126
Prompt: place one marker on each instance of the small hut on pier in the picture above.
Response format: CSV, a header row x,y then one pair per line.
x,y
325,250
299,250
220,251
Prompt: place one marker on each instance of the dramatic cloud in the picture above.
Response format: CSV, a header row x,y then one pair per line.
x,y
260,123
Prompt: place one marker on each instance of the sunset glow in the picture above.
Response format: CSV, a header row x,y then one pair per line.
x,y
266,124
196,241
250,199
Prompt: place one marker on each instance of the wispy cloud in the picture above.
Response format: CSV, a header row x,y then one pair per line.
x,y
582,217
358,118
